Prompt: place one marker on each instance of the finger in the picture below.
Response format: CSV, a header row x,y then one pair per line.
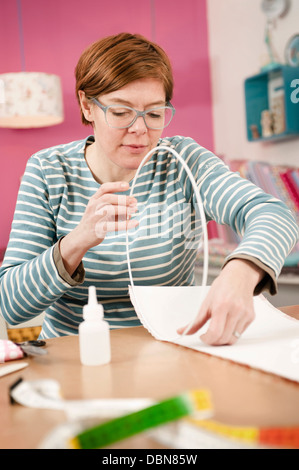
x,y
233,325
126,225
112,187
216,328
229,325
240,328
111,212
201,319
101,229
115,199
119,203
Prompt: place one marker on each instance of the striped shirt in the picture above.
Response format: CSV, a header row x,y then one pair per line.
x,y
53,195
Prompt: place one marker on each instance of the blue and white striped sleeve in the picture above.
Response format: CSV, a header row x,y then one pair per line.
x,y
267,227
29,279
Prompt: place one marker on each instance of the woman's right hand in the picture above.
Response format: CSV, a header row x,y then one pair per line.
x,y
105,212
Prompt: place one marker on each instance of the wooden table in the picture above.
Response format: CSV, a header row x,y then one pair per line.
x,y
142,367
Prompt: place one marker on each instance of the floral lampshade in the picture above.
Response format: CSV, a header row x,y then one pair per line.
x,y
30,99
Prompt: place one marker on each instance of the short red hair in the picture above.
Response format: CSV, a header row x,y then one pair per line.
x,y
112,62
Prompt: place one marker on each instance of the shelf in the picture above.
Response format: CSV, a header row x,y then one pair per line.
x,y
271,91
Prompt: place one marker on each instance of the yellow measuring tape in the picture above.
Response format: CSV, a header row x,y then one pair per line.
x,y
262,436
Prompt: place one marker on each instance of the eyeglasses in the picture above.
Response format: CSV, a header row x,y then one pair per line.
x,y
122,117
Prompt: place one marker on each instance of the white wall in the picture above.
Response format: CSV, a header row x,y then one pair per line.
x,y
236,37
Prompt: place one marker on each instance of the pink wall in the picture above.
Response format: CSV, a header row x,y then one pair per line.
x,y
55,34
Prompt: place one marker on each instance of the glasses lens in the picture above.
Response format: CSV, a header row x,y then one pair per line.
x,y
123,116
119,116
158,118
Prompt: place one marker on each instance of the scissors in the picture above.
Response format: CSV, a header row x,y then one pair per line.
x,y
32,347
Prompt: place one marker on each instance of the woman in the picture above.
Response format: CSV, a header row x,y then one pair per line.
x,y
74,208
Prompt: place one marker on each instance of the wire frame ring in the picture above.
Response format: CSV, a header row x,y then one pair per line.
x,y
201,211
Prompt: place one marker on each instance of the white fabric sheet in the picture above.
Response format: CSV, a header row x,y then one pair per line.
x,y
270,343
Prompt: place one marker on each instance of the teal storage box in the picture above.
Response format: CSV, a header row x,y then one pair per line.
x,y
271,96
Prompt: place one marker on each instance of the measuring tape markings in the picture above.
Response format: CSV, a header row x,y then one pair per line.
x,y
126,426
271,436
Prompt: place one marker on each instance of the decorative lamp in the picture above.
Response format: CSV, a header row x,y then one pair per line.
x,y
273,9
30,99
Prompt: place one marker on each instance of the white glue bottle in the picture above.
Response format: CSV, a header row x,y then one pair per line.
x,y
94,334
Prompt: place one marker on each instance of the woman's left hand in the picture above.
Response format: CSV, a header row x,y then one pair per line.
x,y
229,303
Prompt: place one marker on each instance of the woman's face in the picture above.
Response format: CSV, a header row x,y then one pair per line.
x,y
124,149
